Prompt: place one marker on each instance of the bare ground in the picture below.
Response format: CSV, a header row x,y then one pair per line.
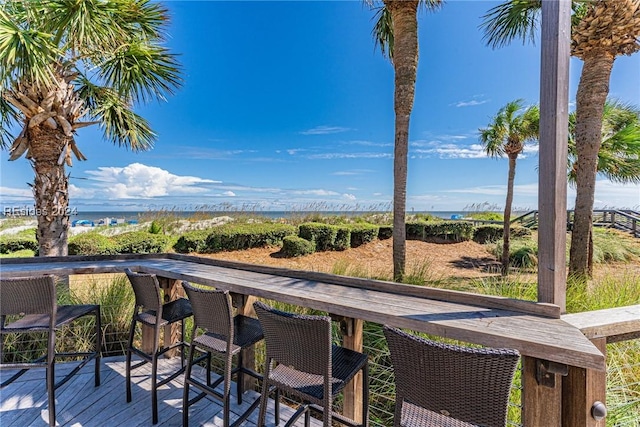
x,y
443,261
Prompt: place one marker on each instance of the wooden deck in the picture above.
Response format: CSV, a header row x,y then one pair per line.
x,y
79,403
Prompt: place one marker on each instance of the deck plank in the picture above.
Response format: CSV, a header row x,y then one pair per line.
x,y
79,403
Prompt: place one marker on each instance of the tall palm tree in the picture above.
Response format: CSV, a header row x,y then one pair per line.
x,y
601,31
396,31
65,65
509,130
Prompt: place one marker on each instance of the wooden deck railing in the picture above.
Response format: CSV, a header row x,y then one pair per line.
x,y
564,371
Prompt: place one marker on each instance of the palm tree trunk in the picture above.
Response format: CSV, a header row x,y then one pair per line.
x,y
506,239
590,100
405,63
50,190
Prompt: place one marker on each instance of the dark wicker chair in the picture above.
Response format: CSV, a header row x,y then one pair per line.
x,y
225,335
302,361
32,300
446,385
150,311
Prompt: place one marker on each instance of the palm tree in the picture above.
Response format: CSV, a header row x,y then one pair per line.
x,y
65,65
619,154
396,32
509,130
601,31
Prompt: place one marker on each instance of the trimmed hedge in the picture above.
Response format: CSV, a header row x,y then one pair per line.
x,y
91,244
293,246
13,243
363,233
232,237
140,242
415,230
343,238
385,232
192,241
456,231
493,232
322,235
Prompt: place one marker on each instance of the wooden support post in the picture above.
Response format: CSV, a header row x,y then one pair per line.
x,y
541,404
244,304
172,290
552,178
581,390
352,339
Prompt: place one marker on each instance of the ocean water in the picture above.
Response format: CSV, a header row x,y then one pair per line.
x,y
140,216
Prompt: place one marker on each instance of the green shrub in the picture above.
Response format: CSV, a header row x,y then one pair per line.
x,y
490,233
192,241
232,237
385,232
415,230
322,235
293,246
455,231
343,238
14,243
155,227
140,242
485,216
363,233
91,244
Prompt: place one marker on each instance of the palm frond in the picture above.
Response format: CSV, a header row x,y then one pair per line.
x,y
143,17
123,127
383,32
7,116
24,52
142,71
511,20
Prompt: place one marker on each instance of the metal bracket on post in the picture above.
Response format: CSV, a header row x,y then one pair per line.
x,y
346,324
546,370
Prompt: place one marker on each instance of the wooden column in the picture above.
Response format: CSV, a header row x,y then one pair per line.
x,y
581,389
352,339
172,290
542,390
244,303
552,181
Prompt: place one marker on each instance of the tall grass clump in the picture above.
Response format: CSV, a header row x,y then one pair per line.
x,y
614,246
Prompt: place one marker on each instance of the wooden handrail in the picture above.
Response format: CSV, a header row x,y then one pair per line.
x,y
614,324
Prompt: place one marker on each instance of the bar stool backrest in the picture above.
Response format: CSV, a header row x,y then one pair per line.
x,y
147,290
300,341
212,309
465,383
28,295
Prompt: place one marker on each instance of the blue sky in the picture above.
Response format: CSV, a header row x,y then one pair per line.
x,y
287,105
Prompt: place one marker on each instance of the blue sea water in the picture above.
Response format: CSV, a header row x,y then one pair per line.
x,y
140,216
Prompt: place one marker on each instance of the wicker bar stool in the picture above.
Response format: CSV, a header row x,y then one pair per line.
x,y
150,311
447,385
217,331
302,361
33,301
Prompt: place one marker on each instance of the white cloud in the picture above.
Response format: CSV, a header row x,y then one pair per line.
x,y
317,192
330,156
18,193
349,197
324,130
229,194
138,181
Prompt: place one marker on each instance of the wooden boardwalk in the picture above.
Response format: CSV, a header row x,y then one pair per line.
x,y
79,403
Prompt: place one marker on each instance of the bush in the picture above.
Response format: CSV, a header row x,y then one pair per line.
x,y
14,243
140,242
455,231
385,232
363,233
343,238
322,235
192,241
91,244
293,246
155,227
415,230
232,237
488,233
